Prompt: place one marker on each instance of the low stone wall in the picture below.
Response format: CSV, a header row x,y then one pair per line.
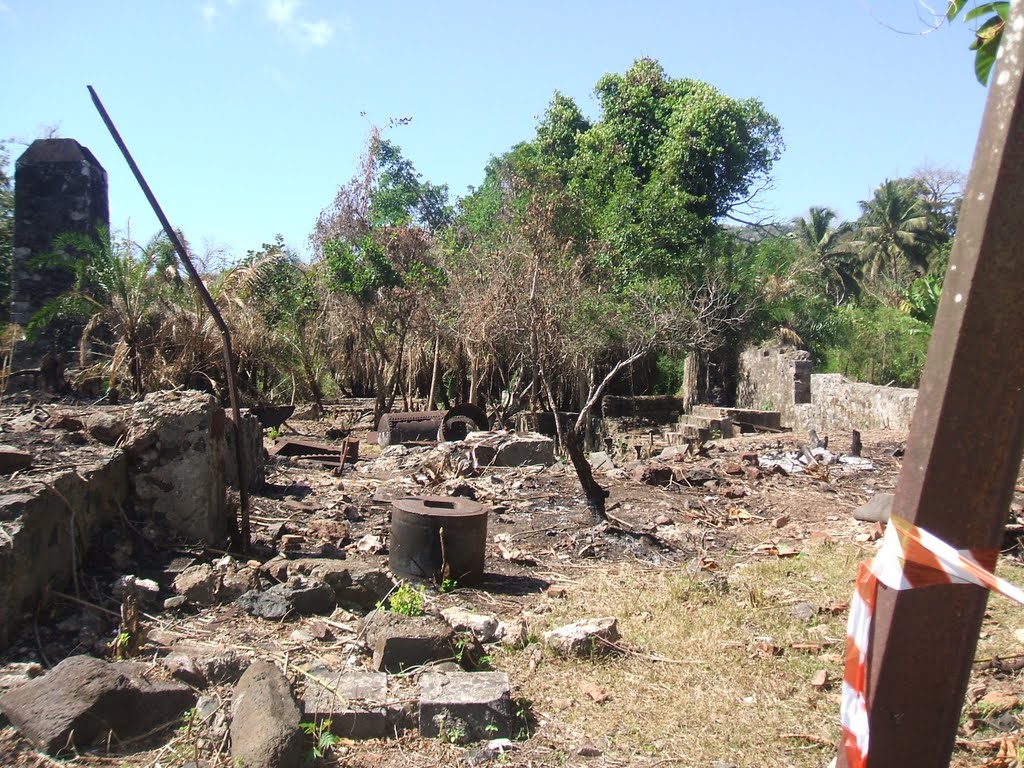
x,y
656,409
779,378
48,524
167,461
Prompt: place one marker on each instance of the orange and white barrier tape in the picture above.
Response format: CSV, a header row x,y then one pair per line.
x,y
910,557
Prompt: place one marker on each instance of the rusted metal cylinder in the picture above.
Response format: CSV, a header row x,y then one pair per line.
x,y
427,426
408,427
438,537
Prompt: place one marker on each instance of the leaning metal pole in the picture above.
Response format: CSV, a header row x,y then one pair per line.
x,y
965,443
240,539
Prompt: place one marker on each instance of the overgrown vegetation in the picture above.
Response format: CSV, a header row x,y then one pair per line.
x,y
618,252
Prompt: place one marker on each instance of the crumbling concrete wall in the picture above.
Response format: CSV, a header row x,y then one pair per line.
x,y
170,469
182,461
47,526
780,379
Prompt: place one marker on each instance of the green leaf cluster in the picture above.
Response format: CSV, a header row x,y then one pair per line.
x,y
988,36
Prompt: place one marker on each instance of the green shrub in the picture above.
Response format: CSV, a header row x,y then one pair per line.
x,y
879,345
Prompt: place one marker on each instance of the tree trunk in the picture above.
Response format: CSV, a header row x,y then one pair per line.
x,y
593,492
432,397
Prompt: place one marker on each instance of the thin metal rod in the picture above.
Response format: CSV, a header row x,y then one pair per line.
x,y
240,540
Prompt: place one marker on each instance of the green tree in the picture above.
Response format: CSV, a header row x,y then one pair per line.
x,y
115,290
375,248
666,163
831,250
894,231
987,37
610,228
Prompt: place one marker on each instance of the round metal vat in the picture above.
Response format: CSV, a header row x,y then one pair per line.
x,y
438,537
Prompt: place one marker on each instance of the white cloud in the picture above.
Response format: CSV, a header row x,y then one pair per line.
x,y
307,33
317,33
209,11
4,7
282,12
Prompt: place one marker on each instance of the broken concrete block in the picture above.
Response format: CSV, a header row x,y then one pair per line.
x,y
236,581
354,701
13,459
600,461
400,643
583,638
371,544
876,509
83,699
483,627
289,600
105,428
465,706
653,474
265,720
514,451
356,583
199,584
514,633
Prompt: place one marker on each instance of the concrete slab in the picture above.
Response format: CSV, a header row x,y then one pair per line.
x,y
354,701
465,706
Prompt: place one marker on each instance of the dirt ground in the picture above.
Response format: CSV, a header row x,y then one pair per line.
x,y
777,539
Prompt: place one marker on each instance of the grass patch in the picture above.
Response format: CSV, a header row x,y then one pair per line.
x,y
739,686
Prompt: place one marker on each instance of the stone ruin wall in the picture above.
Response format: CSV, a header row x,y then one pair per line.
x,y
780,379
169,467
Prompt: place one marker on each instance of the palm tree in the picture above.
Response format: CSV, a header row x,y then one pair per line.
x,y
894,226
113,288
831,249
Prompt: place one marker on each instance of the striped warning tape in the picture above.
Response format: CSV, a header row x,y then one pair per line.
x,y
909,557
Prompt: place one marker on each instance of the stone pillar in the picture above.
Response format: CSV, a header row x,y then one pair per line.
x,y
59,186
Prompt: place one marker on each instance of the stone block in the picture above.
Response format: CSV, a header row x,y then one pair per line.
x,y
465,706
265,720
514,451
84,700
176,445
36,553
354,701
400,643
583,638
483,627
653,474
13,459
876,509
290,600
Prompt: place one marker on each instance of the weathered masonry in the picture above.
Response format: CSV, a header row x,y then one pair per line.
x,y
780,379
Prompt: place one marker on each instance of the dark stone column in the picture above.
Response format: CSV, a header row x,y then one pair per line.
x,y
59,186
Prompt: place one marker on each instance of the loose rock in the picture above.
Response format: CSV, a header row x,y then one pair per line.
x,y
265,720
583,638
83,699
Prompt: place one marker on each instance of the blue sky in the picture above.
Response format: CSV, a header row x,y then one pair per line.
x,y
246,115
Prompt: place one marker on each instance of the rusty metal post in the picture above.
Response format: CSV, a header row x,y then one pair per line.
x,y
965,443
240,539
